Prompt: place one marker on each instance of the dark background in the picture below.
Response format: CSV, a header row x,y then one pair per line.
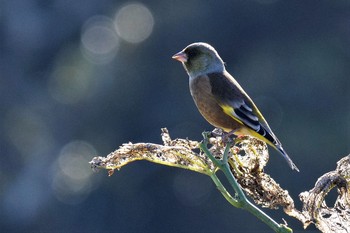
x,y
79,78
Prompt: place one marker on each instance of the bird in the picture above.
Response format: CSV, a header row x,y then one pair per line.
x,y
220,98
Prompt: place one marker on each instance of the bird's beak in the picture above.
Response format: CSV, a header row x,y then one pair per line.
x,y
180,56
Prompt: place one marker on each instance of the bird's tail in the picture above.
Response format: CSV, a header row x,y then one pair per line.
x,y
286,157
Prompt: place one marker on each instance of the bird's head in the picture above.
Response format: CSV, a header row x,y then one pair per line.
x,y
199,59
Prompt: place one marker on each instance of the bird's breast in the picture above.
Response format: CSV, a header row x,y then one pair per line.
x,y
208,106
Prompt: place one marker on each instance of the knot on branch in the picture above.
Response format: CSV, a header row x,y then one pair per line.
x,y
335,218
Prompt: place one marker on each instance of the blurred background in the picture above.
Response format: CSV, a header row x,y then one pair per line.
x,y
79,78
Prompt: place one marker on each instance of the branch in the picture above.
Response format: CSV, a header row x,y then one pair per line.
x,y
243,164
242,201
176,153
330,219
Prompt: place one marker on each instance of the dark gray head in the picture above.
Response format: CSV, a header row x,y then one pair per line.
x,y
200,58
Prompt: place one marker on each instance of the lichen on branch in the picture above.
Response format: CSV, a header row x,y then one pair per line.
x,y
246,158
326,218
176,153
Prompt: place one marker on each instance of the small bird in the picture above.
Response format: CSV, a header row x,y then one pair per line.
x,y
221,100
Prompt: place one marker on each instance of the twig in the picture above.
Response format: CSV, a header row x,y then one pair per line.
x,y
241,200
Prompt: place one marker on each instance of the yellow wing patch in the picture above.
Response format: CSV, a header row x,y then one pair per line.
x,y
244,130
229,111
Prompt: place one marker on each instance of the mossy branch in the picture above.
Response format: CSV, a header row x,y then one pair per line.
x,y
242,164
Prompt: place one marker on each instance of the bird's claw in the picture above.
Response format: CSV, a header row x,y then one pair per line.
x,y
217,132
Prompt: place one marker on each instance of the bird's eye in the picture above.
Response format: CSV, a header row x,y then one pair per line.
x,y
192,53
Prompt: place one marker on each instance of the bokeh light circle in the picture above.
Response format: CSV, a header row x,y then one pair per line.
x,y
68,85
99,40
71,177
134,22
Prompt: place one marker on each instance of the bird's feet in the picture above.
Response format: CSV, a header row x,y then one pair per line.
x,y
225,137
217,132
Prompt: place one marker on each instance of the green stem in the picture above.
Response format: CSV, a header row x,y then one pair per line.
x,y
224,192
241,201
247,205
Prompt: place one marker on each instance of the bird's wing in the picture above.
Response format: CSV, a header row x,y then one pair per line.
x,y
238,105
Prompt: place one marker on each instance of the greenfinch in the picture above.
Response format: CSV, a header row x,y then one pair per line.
x,y
221,100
